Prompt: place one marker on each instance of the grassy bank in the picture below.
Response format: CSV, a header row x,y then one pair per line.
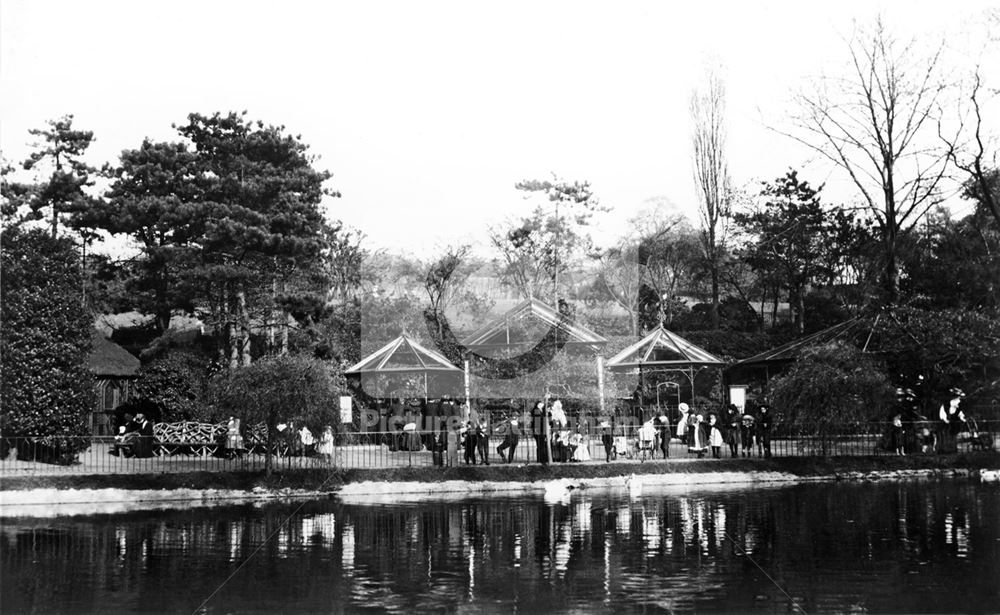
x,y
325,480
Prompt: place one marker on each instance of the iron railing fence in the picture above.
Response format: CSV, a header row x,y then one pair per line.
x,y
394,449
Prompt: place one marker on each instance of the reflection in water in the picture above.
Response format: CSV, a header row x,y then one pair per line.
x,y
899,547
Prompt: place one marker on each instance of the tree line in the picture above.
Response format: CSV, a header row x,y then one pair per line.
x,y
228,223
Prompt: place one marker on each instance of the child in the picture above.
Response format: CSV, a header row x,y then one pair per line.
x,y
747,434
715,436
896,434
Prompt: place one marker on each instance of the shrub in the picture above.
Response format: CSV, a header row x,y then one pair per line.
x,y
280,389
829,387
45,339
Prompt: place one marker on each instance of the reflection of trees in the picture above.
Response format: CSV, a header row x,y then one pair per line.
x,y
683,552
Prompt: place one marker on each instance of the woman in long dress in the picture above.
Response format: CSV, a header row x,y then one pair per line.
x,y
325,446
697,437
682,423
581,448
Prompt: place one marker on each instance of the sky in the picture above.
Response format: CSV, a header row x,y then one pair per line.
x,y
427,113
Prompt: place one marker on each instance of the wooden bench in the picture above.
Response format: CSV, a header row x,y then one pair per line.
x,y
188,438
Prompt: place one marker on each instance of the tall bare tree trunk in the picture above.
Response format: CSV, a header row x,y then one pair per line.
x,y
271,321
714,314
284,324
232,334
711,174
234,343
241,309
880,124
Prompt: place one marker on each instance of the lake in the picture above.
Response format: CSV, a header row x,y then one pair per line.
x,y
886,547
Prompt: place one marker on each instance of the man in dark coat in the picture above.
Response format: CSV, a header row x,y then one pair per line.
x,y
511,432
540,429
483,440
144,445
469,443
731,429
608,440
764,424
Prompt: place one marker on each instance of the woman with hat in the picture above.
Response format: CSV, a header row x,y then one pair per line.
x,y
682,423
952,422
698,437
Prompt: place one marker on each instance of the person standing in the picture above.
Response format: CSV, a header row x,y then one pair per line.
x,y
747,429
540,431
511,437
896,434
234,441
144,444
952,422
608,440
663,429
764,424
439,442
697,437
682,423
469,443
483,440
559,420
454,438
731,426
715,436
325,446
580,447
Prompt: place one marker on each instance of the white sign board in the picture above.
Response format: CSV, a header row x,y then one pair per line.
x,y
345,409
738,396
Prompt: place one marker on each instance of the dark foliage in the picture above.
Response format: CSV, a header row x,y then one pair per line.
x,y
45,338
176,381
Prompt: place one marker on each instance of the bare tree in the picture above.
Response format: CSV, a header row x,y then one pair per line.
x,y
526,257
446,275
667,261
971,154
711,175
641,257
877,123
621,276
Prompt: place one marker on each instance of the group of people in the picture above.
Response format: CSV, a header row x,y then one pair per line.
x,y
549,427
295,442
554,440
740,431
134,437
910,432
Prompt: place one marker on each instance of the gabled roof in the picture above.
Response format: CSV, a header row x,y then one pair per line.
x,y
493,335
662,348
792,350
403,355
108,359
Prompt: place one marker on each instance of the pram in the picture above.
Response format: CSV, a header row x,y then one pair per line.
x,y
621,448
978,440
645,442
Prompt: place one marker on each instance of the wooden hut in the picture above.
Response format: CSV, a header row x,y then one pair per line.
x,y
115,371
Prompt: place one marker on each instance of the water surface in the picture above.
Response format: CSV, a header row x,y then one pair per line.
x,y
901,547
